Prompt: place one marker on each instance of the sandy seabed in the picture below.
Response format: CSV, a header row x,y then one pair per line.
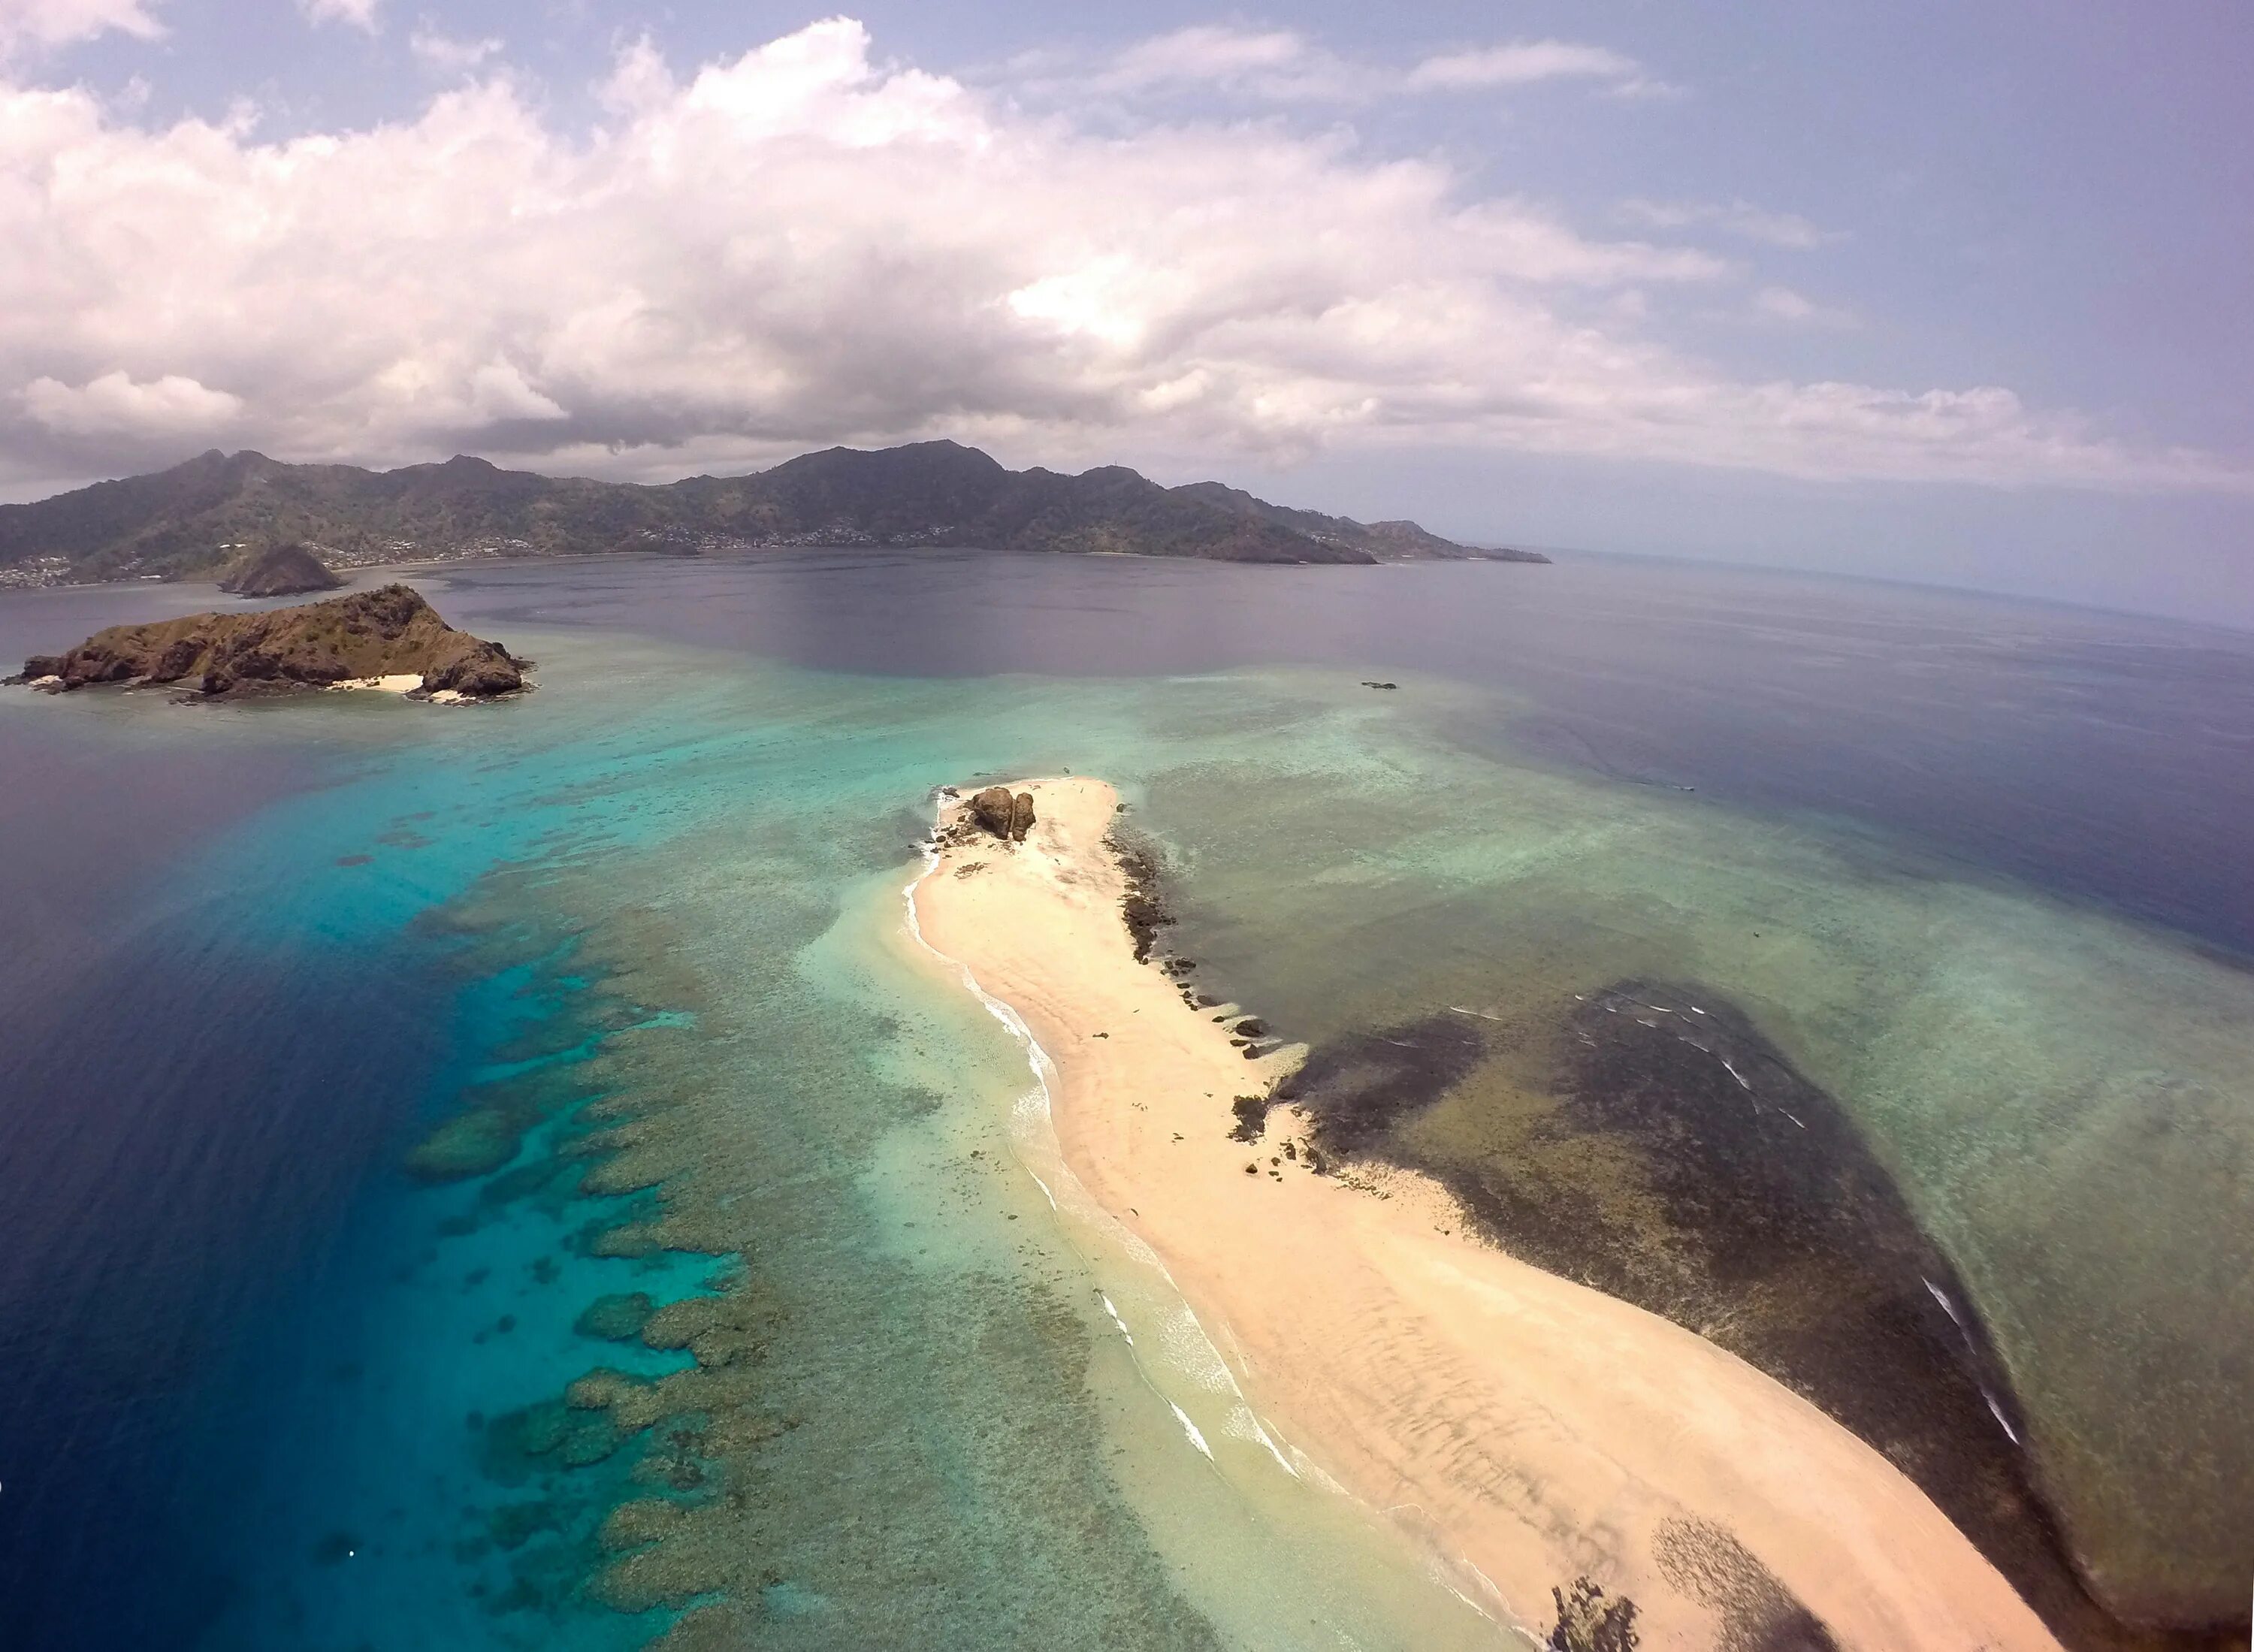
x,y
1531,1432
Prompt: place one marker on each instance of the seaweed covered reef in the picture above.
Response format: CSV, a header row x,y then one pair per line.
x,y
1672,1156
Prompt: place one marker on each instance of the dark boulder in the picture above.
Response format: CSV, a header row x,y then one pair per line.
x,y
1002,815
994,809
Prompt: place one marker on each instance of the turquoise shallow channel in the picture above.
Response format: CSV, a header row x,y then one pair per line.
x,y
496,1177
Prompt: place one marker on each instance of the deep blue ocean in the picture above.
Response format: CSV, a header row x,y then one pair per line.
x,y
256,1372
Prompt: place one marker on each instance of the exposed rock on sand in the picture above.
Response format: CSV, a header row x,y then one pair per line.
x,y
1003,814
1588,1622
1140,904
369,635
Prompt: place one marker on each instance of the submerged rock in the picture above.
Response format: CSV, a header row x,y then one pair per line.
x,y
472,1143
618,1318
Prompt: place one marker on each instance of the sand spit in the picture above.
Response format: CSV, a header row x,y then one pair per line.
x,y
1532,1431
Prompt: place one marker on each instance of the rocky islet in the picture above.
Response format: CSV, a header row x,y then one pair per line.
x,y
366,636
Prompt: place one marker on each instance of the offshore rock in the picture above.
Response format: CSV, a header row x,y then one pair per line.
x,y
279,571
391,631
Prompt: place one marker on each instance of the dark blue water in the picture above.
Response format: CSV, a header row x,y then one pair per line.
x,y
217,1038
2095,754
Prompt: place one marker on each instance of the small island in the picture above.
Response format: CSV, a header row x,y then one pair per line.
x,y
389,637
279,571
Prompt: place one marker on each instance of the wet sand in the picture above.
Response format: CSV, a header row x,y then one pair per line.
x,y
1531,1431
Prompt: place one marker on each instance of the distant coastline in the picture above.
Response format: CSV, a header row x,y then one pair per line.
x,y
203,516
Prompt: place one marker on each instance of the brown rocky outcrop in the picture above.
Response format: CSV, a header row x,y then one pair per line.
x,y
391,632
1002,815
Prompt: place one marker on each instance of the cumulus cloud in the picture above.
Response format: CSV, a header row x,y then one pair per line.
x,y
1738,218
51,23
115,404
804,246
359,14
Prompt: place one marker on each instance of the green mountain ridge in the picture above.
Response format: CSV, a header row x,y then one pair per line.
x,y
201,515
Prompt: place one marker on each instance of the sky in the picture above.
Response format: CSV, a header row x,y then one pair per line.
x,y
1923,291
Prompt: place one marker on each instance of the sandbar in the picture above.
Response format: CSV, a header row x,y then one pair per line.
x,y
1529,1430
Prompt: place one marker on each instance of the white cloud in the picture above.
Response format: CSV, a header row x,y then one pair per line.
x,y
53,23
1525,63
804,246
1271,63
1282,66
448,54
1738,218
359,14
1795,309
115,404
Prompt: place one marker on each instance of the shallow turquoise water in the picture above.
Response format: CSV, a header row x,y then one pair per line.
x,y
666,885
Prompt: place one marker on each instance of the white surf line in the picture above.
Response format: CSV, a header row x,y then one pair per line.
x,y
1965,1331
1191,1429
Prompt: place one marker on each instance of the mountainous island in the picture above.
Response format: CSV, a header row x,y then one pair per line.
x,y
385,638
193,520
